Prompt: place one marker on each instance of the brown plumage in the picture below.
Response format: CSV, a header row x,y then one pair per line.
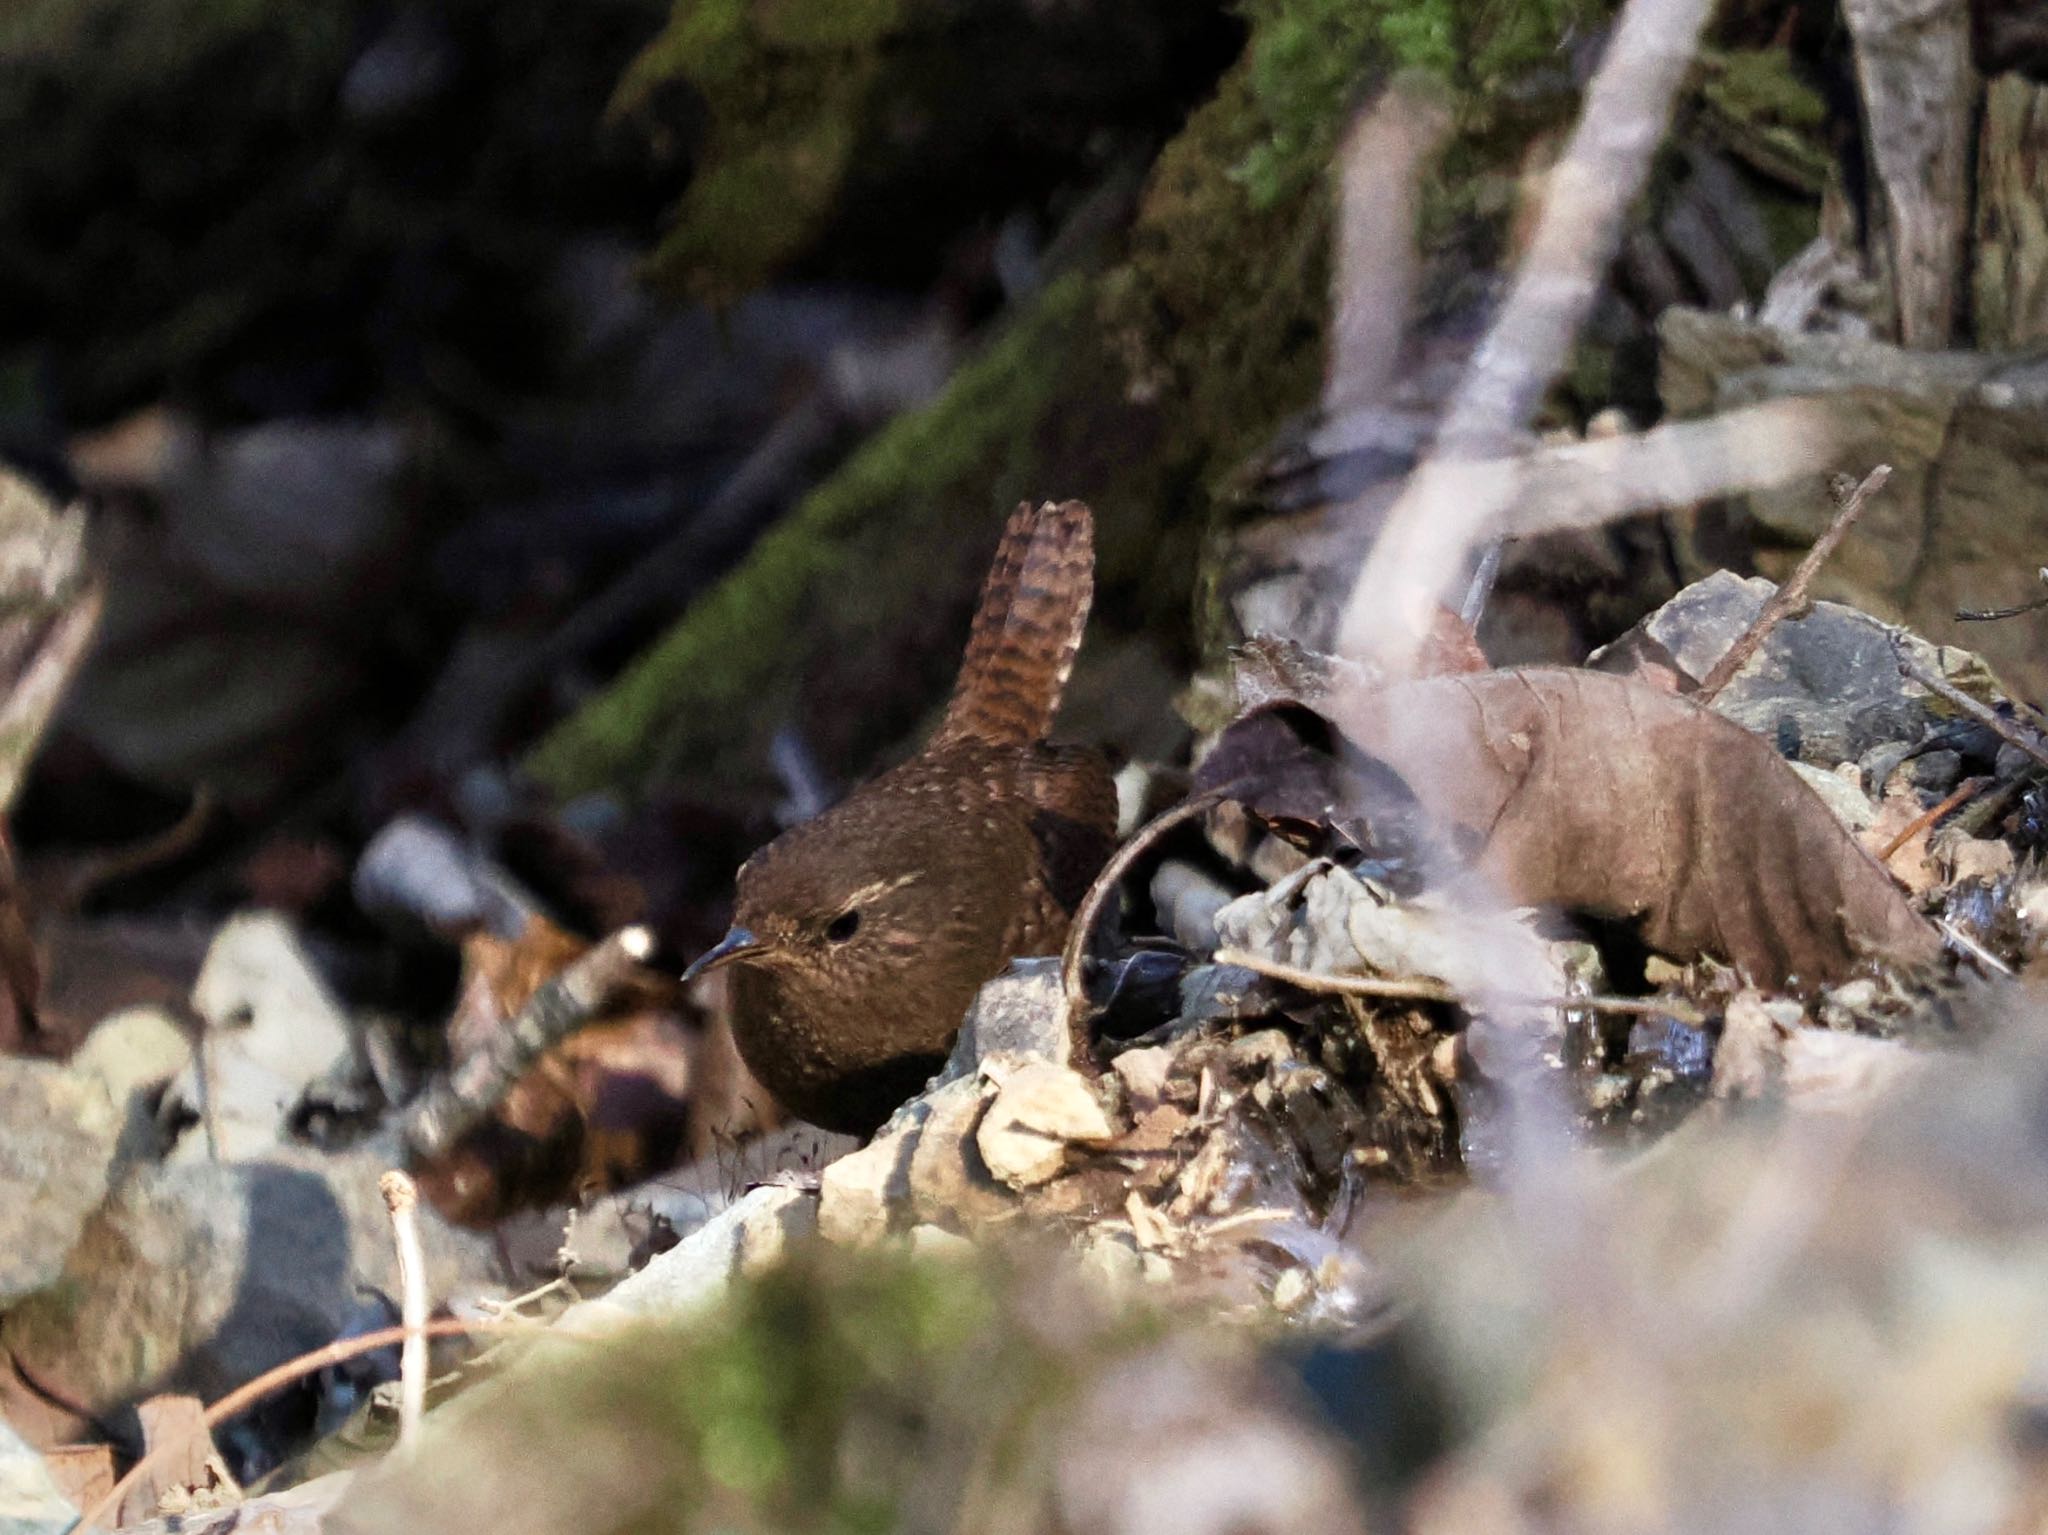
x,y
859,938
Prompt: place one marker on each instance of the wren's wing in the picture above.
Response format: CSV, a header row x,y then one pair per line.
x,y
1073,824
1027,628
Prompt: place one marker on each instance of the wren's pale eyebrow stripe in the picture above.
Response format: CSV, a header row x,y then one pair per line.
x,y
867,893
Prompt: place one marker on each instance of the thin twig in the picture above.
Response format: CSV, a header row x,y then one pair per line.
x,y
243,1397
1983,714
1991,615
1082,931
1423,989
209,1096
1429,535
402,1200
1383,165
518,1303
1966,791
1791,597
26,711
459,1101
1401,988
1972,948
80,877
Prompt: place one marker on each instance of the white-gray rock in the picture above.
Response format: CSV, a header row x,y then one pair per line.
x,y
199,1276
1039,1110
753,1232
1823,687
863,1192
30,1503
272,1030
1023,1012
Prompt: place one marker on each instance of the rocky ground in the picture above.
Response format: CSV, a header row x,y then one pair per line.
x,y
1560,1051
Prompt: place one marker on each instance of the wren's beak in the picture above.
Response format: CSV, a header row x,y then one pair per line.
x,y
736,944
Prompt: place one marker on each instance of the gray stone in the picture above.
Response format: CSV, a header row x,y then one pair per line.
x,y
1210,992
1144,1074
1188,898
1022,1012
273,1030
754,1231
862,1195
54,1167
69,1129
1038,1111
418,871
1966,433
200,1276
1851,806
950,1183
1824,688
1937,770
130,1056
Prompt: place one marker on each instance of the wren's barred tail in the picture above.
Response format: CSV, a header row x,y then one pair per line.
x,y
1026,629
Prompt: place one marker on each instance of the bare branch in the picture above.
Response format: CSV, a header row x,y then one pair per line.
x,y
458,1102
1381,167
1431,533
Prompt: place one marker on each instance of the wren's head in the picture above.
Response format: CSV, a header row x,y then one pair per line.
x,y
824,922
858,941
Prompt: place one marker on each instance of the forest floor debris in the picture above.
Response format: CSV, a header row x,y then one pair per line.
x,y
1242,1120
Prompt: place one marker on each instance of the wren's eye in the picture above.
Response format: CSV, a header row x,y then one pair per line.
x,y
843,926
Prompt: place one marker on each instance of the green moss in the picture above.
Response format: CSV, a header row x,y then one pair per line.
x,y
714,43
1219,307
786,86
1310,60
1222,302
1761,85
744,215
1756,100
701,701
827,24
1143,389
841,1393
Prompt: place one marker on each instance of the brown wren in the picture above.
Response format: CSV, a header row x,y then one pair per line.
x,y
860,937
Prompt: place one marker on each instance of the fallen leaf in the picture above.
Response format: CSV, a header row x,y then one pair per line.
x,y
1909,862
185,1462
1601,795
626,1096
1450,648
1979,859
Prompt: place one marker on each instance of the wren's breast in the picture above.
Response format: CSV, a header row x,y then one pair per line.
x,y
839,1067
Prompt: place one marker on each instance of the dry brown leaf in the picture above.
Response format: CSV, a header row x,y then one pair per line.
x,y
188,1473
1909,863
625,1097
1602,795
1450,648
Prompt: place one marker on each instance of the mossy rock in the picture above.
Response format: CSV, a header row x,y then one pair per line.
x,y
860,135
878,541
843,1392
1140,386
